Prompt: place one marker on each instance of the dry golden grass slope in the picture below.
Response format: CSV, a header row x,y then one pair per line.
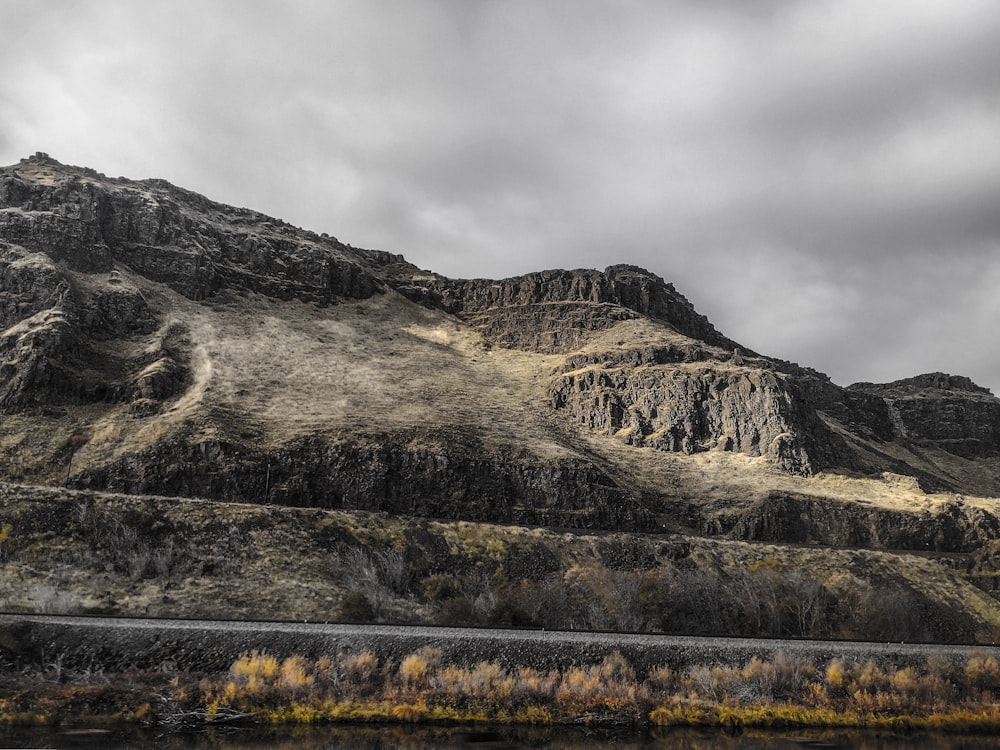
x,y
269,371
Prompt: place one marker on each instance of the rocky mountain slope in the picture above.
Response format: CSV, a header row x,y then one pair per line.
x,y
155,342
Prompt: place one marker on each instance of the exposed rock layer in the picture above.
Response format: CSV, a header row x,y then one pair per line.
x,y
385,473
947,411
799,519
571,303
197,247
689,410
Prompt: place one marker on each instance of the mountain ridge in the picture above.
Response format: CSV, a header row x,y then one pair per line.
x,y
128,313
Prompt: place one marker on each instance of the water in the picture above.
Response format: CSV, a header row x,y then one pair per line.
x,y
504,738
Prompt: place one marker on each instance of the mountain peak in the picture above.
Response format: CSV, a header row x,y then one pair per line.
x,y
40,157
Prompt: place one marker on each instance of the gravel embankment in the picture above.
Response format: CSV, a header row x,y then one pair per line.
x,y
121,644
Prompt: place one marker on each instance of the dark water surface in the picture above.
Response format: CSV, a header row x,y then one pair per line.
x,y
506,738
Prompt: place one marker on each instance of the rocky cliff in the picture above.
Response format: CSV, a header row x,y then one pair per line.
x,y
89,223
553,311
154,341
943,411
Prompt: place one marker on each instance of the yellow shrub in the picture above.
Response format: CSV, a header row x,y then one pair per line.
x,y
580,683
665,716
295,673
906,682
417,668
836,672
360,669
486,679
5,532
530,681
663,679
982,671
615,667
870,679
535,715
257,669
408,712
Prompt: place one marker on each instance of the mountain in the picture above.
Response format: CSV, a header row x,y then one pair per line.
x,y
154,342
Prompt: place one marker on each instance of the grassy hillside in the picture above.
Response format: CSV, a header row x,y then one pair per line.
x,y
73,551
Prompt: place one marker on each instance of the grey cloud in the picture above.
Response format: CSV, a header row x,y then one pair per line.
x,y
820,179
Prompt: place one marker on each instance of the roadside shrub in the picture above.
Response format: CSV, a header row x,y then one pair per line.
x,y
376,572
355,607
662,679
782,691
531,683
455,611
485,680
52,600
440,586
868,678
791,674
358,673
295,673
982,671
906,682
416,669
836,676
256,670
392,571
616,668
579,683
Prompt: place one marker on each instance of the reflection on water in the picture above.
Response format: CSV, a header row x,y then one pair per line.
x,y
504,738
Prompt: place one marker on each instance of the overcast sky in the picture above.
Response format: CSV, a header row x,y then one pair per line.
x,y
821,179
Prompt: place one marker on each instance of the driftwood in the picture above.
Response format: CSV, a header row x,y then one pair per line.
x,y
175,717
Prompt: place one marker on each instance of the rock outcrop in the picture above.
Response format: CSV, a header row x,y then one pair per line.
x,y
89,222
943,411
694,409
552,311
800,519
385,473
52,327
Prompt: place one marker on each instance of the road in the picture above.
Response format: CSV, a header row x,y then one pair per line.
x,y
118,643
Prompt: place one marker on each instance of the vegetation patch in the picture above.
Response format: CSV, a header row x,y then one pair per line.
x,y
424,687
66,551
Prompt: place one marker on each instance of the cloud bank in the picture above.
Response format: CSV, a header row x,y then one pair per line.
x,y
821,179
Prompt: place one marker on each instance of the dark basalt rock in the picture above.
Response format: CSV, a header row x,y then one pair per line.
x,y
50,326
800,519
944,411
174,236
519,311
750,411
384,473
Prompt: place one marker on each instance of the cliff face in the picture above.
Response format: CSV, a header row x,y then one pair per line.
x,y
154,341
403,475
688,410
89,223
943,411
553,311
648,396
